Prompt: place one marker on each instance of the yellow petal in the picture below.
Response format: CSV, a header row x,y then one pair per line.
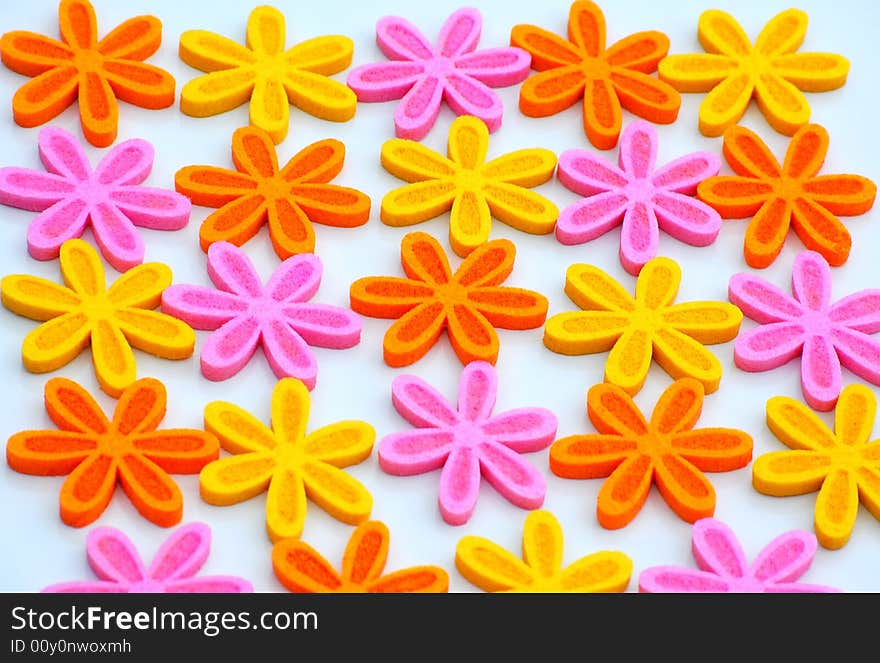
x,y
529,167
140,286
414,203
413,162
217,92
320,96
681,356
81,268
589,287
812,72
339,494
36,298
658,283
238,430
490,567
696,72
286,505
836,509
290,411
785,473
341,444
629,360
469,221
520,208
797,426
468,141
112,357
584,332
854,415
157,333
542,543
207,51
233,479
266,31
785,107
607,571
706,322
719,32
784,33
321,55
269,109
55,343
726,103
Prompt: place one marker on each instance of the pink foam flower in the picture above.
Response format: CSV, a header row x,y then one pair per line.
x,y
245,314
468,442
116,561
643,199
424,76
825,335
725,569
70,196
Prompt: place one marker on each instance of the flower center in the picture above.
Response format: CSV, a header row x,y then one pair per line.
x,y
439,67
467,179
98,307
644,318
87,60
788,188
755,63
450,294
467,434
595,68
114,444
274,187
816,323
639,190
91,190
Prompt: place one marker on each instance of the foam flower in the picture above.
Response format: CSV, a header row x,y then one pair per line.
x,y
422,75
793,194
96,452
468,187
723,567
246,314
87,313
638,329
843,465
96,72
638,196
116,561
634,453
468,304
266,74
734,71
607,79
493,569
467,441
826,335
293,466
71,196
289,199
303,569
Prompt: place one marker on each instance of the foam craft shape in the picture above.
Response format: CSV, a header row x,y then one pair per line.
x,y
723,567
793,194
468,304
636,196
422,76
734,71
244,314
607,79
289,199
290,465
303,569
71,196
468,187
634,453
96,452
468,441
117,563
494,569
825,335
82,67
266,75
843,466
87,313
637,329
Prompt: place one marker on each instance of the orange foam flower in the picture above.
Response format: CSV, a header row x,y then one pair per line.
x,y
96,452
80,66
607,79
469,304
635,453
303,569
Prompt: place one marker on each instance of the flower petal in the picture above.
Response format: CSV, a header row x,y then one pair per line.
x,y
332,205
768,346
387,296
182,554
511,475
786,558
81,268
469,97
859,311
339,494
706,322
821,231
153,493
37,298
32,54
460,33
477,390
178,451
423,259
233,479
658,283
134,39
589,456
845,195
290,411
797,426
286,505
682,356
140,287
232,271
269,108
641,51
319,95
591,217
98,108
784,33
589,287
488,265
607,571
157,333
521,208
211,186
495,67
288,353
821,378
230,347
468,142
341,444
119,241
202,307
529,167
646,96
150,207
786,473
65,220
113,557
62,154
613,412
837,506
140,408
218,91
696,72
265,31
290,228
717,549
551,91
427,579
522,429
74,409
637,153
413,162
726,103
587,174
48,453
548,50
674,579
749,156
625,491
811,281
639,236
381,81
207,51
419,108
78,24
139,83
735,197
399,39
415,451
766,232
209,585
414,203
87,490
719,32
584,332
509,308
317,163
686,490
812,72
714,449
238,431
858,352
678,407
366,552
687,219
542,543
32,189
325,55
469,220
684,174
761,300
784,106
421,404
254,153
324,325
44,97
586,28
806,152
602,114
414,333
490,567
301,568
459,485
471,335
55,343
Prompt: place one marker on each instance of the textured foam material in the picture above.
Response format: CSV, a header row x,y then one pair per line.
x,y
245,314
825,335
116,561
286,463
637,329
422,76
468,304
638,196
493,569
96,72
266,75
634,453
793,194
607,79
71,196
96,452
734,71
87,313
468,187
468,441
723,567
841,465
303,569
289,199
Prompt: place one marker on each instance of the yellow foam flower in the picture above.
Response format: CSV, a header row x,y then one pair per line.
x,y
734,71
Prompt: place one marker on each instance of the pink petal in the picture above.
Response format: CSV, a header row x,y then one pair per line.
x,y
762,301
154,208
86,587
63,155
113,557
210,585
288,353
639,237
522,429
468,96
384,81
120,242
415,451
638,149
399,39
296,279
201,307
460,33
231,270
786,558
591,217
673,579
51,228
32,190
821,379
687,219
858,352
477,389
324,325
586,173
717,549
182,554
127,163
768,346
459,485
496,67
685,173
512,476
418,110
859,311
420,404
811,280
229,348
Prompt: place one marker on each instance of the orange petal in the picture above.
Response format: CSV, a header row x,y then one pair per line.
x,y
78,23
253,152
551,91
733,196
290,228
48,452
178,451
235,222
646,96
387,296
317,163
602,114
73,409
332,205
624,492
141,407
589,456
408,339
423,259
134,39
806,152
366,552
423,579
821,231
471,335
679,407
509,308
153,493
139,84
685,489
488,265
714,449
87,491
766,232
586,27
748,155
845,195
44,97
98,110
301,568
641,51
613,411
31,54
210,186
548,50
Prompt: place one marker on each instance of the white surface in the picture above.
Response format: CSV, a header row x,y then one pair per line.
x,y
38,549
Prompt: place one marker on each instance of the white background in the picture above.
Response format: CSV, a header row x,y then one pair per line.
x,y
38,549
